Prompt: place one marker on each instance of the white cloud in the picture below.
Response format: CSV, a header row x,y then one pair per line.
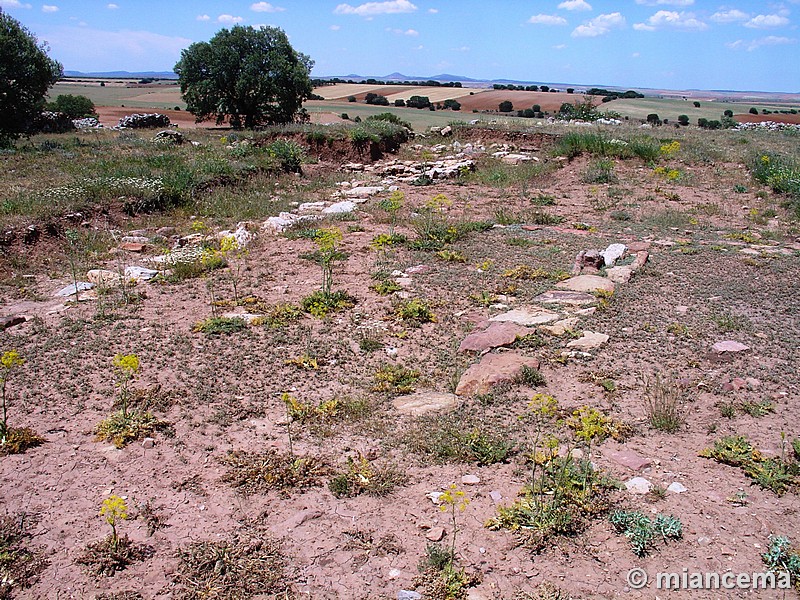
x,y
547,20
265,7
408,32
671,19
729,16
559,47
770,40
765,21
13,4
203,18
461,49
335,27
575,5
665,2
49,8
229,19
635,55
370,9
112,6
600,25
420,47
434,11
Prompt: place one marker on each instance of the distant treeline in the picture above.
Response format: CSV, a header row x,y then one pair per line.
x,y
429,83
607,95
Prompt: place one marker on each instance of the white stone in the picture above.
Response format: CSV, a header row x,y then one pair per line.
x,y
470,480
81,286
589,341
140,273
340,208
677,488
638,485
613,253
528,316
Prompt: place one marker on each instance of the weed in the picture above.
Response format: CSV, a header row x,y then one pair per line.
x,y
106,557
728,322
727,409
281,315
260,472
13,440
114,509
780,558
776,474
320,303
451,256
414,312
305,411
642,532
543,200
395,379
362,477
590,425
122,428
662,404
250,564
220,325
484,299
386,287
757,409
600,171
392,205
304,361
540,217
530,377
447,438
20,563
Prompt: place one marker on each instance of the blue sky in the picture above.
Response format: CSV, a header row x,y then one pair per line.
x,y
675,44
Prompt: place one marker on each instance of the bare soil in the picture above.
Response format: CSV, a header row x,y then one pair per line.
x,y
224,393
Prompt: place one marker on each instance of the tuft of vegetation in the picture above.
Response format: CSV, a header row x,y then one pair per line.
x,y
642,532
530,377
321,303
447,438
779,474
122,428
395,379
261,472
20,562
414,312
220,325
360,476
780,557
252,563
662,404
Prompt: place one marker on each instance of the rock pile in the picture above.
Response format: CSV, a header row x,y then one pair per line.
x,y
143,121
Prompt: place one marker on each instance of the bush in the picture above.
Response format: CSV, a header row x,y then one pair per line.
x,y
399,102
351,98
728,113
418,102
536,108
683,120
452,104
506,106
653,119
696,104
753,110
75,107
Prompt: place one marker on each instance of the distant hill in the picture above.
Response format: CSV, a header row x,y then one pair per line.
x,y
124,74
444,77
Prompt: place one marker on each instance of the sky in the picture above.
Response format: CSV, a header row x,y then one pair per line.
x,y
671,44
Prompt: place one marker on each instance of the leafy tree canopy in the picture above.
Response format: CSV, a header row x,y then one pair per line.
x,y
26,73
250,76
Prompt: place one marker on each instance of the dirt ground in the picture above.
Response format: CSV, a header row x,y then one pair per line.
x,y
700,285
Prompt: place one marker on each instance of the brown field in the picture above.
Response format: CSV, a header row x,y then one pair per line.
x,y
490,100
776,117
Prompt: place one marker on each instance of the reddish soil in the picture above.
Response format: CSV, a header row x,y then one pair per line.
x,y
110,116
776,117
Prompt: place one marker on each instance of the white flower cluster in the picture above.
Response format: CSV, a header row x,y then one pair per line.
x,y
771,125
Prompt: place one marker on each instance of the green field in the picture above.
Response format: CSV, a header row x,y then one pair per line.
x,y
670,108
114,94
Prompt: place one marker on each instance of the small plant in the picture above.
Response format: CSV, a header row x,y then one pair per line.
x,y
327,241
305,411
220,325
484,299
362,477
281,315
395,379
590,425
13,440
451,256
662,404
392,205
779,474
530,377
386,286
414,312
781,558
600,171
235,257
114,509
260,472
320,303
642,532
20,562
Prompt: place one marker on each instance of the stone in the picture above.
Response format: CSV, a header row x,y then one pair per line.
x,y
529,315
568,297
589,341
299,518
140,273
246,317
561,327
169,137
612,254
628,458
638,247
311,207
677,488
363,192
587,283
408,595
434,496
104,278
638,485
82,286
495,495
729,346
132,247
340,208
285,220
492,370
495,335
515,159
470,480
620,274
134,239
11,321
445,131
640,260
435,534
425,402
148,443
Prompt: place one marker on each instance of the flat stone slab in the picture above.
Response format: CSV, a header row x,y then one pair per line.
x,y
11,321
628,458
638,485
140,273
104,277
340,208
566,297
422,403
495,335
528,315
620,274
362,192
492,370
729,346
588,341
561,327
82,286
587,283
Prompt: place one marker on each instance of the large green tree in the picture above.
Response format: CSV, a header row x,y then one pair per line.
x,y
26,73
249,76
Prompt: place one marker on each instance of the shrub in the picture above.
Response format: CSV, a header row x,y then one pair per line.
x,y
753,110
662,404
506,106
399,102
74,106
653,119
683,120
642,532
418,102
696,104
351,98
362,477
414,312
395,379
